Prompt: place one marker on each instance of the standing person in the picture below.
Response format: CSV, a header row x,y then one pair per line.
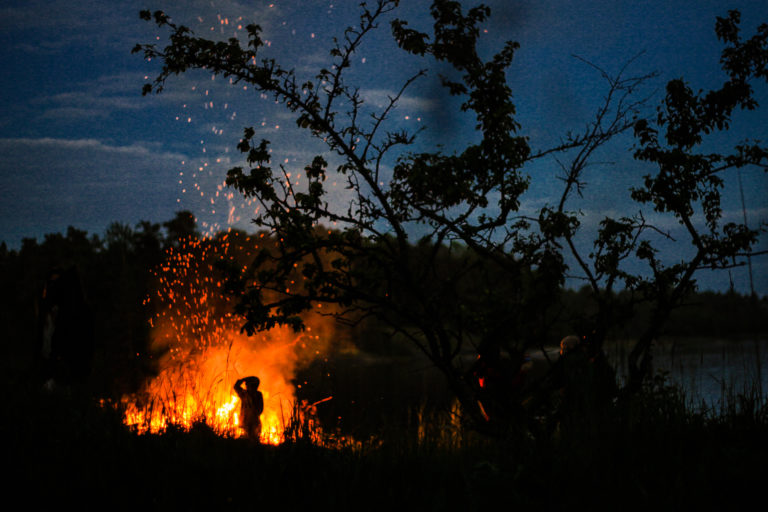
x,y
65,332
251,406
581,384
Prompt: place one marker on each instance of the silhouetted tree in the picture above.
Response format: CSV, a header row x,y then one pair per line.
x,y
467,203
115,275
119,240
686,183
181,227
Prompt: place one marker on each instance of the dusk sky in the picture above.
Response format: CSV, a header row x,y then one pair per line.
x,y
80,146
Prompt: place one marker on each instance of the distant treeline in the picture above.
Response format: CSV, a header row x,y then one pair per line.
x,y
115,270
706,314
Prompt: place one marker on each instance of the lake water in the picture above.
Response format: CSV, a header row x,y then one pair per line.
x,y
370,390
708,370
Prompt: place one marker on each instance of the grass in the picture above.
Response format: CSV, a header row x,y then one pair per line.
x,y
654,451
648,452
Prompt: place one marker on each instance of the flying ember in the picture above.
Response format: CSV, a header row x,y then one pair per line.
x,y
201,352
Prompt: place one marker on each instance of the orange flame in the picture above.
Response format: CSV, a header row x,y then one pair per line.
x,y
204,352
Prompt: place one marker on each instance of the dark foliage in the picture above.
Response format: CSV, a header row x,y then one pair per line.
x,y
468,202
114,273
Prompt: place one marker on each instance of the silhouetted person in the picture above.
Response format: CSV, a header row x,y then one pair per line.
x,y
569,344
499,383
65,344
580,383
251,406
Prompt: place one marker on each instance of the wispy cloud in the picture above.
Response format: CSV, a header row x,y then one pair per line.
x,y
16,147
107,94
380,98
57,24
50,183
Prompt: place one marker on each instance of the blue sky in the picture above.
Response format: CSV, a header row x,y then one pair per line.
x,y
80,146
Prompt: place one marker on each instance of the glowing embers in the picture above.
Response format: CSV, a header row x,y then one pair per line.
x,y
202,352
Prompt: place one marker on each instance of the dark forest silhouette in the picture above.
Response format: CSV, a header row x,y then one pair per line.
x,y
116,275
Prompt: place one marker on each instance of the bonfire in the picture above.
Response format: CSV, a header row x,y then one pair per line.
x,y
201,350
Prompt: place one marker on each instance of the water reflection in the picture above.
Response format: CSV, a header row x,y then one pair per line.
x,y
710,371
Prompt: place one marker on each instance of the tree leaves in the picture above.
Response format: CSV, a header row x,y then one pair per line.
x,y
468,202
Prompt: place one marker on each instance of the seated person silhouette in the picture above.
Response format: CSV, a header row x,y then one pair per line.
x,y
251,406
